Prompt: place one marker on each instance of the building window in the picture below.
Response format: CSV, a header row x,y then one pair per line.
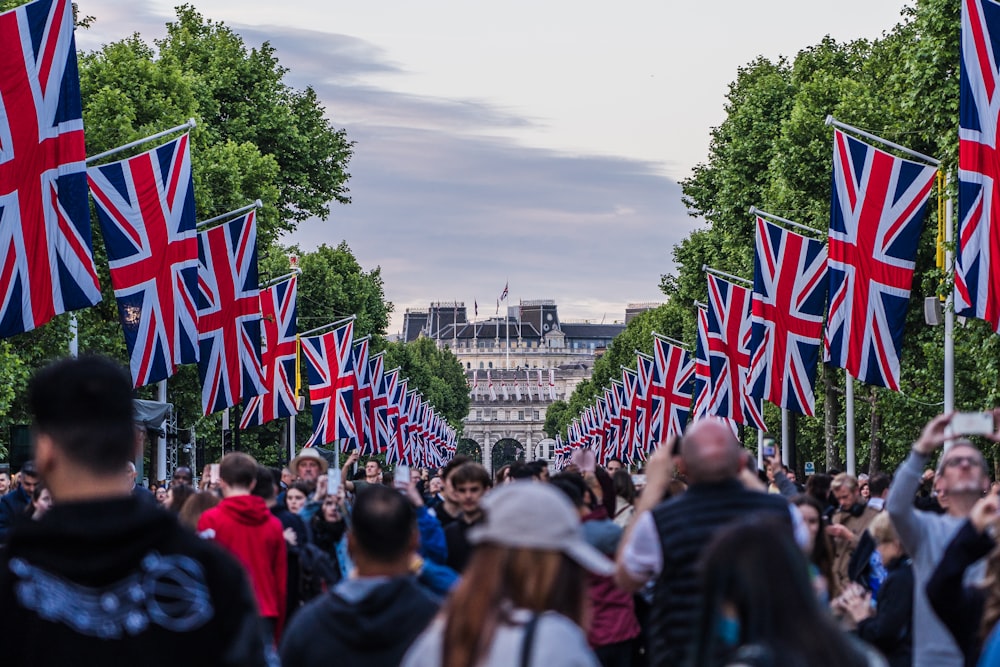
x,y
491,364
520,415
538,415
480,365
468,364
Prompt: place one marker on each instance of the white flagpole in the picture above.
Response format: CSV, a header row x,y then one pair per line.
x,y
291,437
949,314
74,336
186,126
161,441
849,422
760,449
830,120
507,319
786,432
231,214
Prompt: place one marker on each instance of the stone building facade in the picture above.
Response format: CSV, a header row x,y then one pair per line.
x,y
529,356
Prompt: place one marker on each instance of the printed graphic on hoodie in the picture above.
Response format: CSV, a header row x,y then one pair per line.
x,y
168,591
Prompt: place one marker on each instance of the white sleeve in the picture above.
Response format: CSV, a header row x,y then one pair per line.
x,y
642,557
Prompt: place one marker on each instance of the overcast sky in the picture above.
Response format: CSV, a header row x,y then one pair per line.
x,y
535,142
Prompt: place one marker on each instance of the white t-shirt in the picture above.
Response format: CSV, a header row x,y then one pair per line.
x,y
558,642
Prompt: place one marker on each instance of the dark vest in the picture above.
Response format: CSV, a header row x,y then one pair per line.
x,y
686,525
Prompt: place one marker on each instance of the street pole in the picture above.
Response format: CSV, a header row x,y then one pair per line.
x,y
949,315
849,421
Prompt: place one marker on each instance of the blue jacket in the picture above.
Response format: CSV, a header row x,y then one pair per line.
x,y
12,505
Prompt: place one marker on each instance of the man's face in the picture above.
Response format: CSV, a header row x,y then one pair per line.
x,y
4,482
28,483
287,477
468,495
846,497
182,475
614,466
308,470
371,469
962,472
436,485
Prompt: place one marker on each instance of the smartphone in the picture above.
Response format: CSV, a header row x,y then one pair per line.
x,y
213,473
973,423
639,480
401,478
769,451
332,482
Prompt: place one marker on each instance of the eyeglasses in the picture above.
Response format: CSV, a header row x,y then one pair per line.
x,y
955,461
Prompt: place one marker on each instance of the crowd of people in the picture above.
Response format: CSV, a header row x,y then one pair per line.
x,y
702,559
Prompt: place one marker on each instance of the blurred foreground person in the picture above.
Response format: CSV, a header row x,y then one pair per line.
x,y
521,600
759,608
372,618
105,578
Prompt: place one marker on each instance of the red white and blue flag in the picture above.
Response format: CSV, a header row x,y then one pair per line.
x,y
629,445
46,253
729,353
229,314
145,205
379,403
364,438
876,214
789,291
673,380
977,266
330,366
645,369
702,370
278,356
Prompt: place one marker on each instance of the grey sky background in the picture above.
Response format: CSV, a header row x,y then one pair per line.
x,y
539,143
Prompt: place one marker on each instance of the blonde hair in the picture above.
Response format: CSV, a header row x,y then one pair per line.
x,y
882,530
843,480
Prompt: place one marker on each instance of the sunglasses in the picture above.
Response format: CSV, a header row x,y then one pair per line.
x,y
956,461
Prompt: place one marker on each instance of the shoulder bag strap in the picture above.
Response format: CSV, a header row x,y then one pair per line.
x,y
529,640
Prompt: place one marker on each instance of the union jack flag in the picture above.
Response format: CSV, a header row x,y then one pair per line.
x,y
229,314
977,267
876,214
46,255
379,404
789,288
673,376
644,368
145,205
729,353
331,384
364,437
702,370
278,356
399,412
629,440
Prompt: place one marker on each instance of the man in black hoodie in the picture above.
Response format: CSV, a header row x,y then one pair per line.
x,y
373,618
105,578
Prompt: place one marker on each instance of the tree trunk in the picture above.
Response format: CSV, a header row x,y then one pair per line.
x,y
875,451
831,414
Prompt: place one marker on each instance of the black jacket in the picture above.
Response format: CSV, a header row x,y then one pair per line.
x,y
120,582
12,507
960,607
891,629
374,631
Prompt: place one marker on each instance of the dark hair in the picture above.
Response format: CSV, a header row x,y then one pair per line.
x,y
818,486
608,499
265,486
878,483
179,494
740,568
28,469
85,406
452,465
521,470
624,486
302,487
615,458
538,466
572,485
382,523
822,553
238,469
470,473
183,471
375,461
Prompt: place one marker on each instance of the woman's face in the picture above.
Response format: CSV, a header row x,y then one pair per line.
x,y
295,500
331,512
168,498
161,495
811,518
43,504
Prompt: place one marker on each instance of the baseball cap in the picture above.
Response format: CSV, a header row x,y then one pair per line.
x,y
535,515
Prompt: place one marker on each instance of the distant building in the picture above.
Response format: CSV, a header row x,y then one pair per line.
x,y
521,352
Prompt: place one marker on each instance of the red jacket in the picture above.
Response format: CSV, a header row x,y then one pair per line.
x,y
248,530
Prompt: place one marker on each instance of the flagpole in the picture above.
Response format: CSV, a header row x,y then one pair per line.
x,y
186,126
275,281
74,336
670,340
949,314
849,421
507,319
722,274
830,120
786,433
231,214
291,437
327,326
760,449
777,218
161,441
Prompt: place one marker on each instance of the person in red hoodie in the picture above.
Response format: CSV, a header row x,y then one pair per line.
x,y
246,528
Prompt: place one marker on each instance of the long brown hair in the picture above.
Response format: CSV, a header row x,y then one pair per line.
x,y
991,586
532,579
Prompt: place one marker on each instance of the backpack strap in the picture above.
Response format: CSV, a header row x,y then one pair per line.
x,y
529,640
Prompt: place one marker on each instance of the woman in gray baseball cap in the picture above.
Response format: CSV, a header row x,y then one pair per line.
x,y
521,600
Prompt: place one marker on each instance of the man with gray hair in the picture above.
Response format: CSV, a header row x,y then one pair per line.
x,y
961,480
666,539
